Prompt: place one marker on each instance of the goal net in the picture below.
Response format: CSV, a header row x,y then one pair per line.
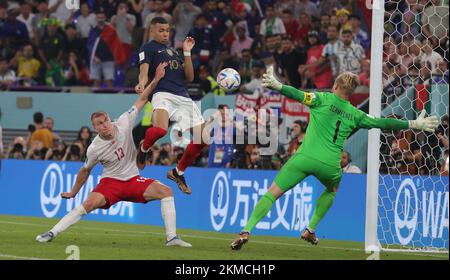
x,y
413,188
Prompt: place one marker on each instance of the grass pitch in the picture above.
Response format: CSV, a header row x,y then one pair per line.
x,y
108,241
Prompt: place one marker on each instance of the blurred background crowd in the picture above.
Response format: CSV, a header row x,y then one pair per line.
x,y
43,43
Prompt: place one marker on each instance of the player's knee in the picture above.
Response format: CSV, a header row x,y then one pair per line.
x,y
89,206
165,191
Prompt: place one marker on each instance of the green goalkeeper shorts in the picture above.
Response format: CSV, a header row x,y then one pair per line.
x,y
300,166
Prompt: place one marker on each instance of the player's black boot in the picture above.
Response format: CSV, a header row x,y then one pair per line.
x,y
240,240
310,237
179,179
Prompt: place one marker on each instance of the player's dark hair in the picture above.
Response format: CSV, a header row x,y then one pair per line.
x,y
347,31
222,106
38,117
159,20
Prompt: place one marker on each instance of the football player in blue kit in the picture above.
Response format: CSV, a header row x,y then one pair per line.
x,y
170,98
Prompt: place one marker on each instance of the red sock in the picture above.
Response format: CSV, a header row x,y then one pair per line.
x,y
151,135
190,154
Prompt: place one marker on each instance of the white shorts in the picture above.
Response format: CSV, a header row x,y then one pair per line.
x,y
182,110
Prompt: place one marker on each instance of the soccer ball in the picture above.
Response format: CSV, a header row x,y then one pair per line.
x,y
228,79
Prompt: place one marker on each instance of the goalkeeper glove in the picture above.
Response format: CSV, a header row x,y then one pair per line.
x,y
421,123
269,80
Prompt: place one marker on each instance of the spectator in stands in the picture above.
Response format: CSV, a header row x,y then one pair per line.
x,y
207,83
323,28
319,77
85,21
39,22
411,23
258,68
429,55
394,85
26,16
183,18
41,134
73,43
330,50
284,5
403,57
59,10
290,23
298,134
346,165
102,63
37,151
73,153
350,54
157,11
364,76
75,72
84,137
440,74
51,46
124,24
57,152
255,159
7,76
49,123
242,42
13,33
221,149
166,156
305,26
271,24
27,66
135,8
359,36
219,22
245,66
203,35
306,6
290,60
342,17
435,20
17,149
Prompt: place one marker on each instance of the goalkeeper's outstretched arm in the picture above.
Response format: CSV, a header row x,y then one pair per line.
x,y
269,81
421,123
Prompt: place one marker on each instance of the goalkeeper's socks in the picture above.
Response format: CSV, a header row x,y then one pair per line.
x,y
261,209
322,205
71,218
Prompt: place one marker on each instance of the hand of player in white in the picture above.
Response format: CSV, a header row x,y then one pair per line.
x,y
160,71
424,123
269,80
188,44
67,195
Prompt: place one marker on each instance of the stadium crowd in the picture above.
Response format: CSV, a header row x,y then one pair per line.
x,y
310,42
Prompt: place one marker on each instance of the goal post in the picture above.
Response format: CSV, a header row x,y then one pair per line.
x,y
373,146
407,198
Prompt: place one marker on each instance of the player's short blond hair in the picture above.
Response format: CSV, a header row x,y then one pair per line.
x,y
347,82
99,114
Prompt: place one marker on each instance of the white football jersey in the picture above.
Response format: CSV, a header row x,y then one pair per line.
x,y
118,155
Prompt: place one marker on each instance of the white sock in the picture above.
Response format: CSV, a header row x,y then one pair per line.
x,y
169,216
71,218
179,171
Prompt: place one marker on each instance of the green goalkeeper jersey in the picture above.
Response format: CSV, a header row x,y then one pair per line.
x,y
332,119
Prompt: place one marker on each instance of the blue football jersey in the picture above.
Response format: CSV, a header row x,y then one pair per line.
x,y
173,82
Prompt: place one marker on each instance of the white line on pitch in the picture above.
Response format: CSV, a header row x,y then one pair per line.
x,y
220,238
19,257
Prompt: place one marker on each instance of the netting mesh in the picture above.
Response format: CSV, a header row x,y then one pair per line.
x,y
413,189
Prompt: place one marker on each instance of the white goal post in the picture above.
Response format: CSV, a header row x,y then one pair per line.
x,y
407,202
